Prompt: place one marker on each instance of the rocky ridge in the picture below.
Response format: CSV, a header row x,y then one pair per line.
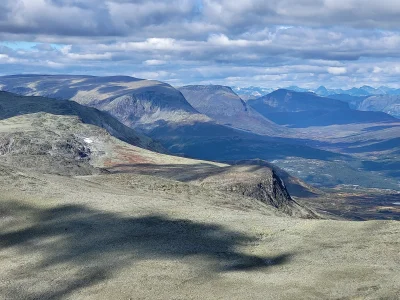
x,y
65,145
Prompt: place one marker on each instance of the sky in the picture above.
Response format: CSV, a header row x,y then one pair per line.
x,y
265,43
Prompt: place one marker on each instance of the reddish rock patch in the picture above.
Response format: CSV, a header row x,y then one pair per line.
x,y
124,157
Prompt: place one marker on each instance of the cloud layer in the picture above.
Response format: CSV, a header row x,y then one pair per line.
x,y
339,43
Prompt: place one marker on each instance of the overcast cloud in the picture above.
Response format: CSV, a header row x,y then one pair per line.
x,y
338,43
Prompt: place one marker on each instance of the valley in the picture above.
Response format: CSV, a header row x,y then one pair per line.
x,y
91,208
326,138
199,150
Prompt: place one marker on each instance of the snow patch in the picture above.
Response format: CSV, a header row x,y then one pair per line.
x,y
88,140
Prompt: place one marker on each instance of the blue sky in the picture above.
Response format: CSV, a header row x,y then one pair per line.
x,y
275,43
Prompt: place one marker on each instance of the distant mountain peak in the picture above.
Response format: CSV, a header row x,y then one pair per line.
x,y
223,105
138,103
321,89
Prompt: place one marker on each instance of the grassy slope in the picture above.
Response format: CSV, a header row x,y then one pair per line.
x,y
136,237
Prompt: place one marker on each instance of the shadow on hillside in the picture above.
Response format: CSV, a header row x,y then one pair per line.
x,y
390,167
305,119
215,142
180,172
88,246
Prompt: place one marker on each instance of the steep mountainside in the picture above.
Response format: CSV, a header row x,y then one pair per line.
x,y
353,101
296,187
307,109
385,103
290,101
135,102
224,106
13,105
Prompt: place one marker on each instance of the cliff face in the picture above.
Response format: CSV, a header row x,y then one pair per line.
x,y
260,183
272,191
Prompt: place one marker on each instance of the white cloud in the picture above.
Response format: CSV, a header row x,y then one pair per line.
x,y
159,75
337,70
256,42
4,58
89,56
154,62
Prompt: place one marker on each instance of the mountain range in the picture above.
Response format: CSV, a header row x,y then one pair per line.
x,y
361,91
221,104
135,102
365,90
320,136
251,92
304,109
93,205
65,138
365,98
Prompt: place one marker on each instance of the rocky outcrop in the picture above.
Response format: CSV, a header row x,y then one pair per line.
x,y
51,144
260,183
294,185
14,105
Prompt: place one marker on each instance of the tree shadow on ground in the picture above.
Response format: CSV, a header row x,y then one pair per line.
x,y
97,244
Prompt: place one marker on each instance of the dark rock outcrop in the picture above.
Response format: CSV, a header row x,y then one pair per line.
x,y
260,183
